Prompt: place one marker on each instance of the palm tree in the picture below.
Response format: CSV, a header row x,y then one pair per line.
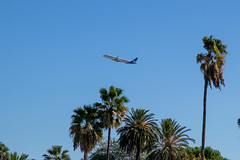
x,y
112,110
3,151
171,139
212,64
56,153
238,122
5,155
138,131
86,129
14,156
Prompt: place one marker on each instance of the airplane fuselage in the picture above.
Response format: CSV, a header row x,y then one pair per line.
x,y
116,59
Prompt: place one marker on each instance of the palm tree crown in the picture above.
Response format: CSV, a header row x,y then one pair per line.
x,y
3,151
213,61
15,156
86,129
171,139
56,153
113,109
138,131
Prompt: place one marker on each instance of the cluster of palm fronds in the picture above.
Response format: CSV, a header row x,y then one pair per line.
x,y
56,153
6,155
213,62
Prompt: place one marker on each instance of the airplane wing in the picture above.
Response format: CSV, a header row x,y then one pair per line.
x,y
110,57
122,60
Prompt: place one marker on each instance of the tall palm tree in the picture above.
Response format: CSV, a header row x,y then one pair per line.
x,y
212,64
56,153
138,131
112,110
86,129
171,139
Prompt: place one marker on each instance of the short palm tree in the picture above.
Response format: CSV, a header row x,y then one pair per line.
x,y
5,155
112,110
56,153
139,131
212,64
3,151
171,139
15,156
86,129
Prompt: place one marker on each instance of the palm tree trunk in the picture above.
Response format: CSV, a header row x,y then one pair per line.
x,y
138,150
85,155
204,119
170,153
109,139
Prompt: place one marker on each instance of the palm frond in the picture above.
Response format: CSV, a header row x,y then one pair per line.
x,y
171,137
139,129
86,127
213,62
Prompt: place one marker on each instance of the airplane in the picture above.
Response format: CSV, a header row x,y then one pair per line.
x,y
116,59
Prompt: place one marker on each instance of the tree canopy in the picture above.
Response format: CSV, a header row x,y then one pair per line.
x,y
56,153
116,153
139,131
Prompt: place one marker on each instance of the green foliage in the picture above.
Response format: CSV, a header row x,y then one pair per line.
x,y
56,153
209,153
112,110
238,122
116,153
86,128
213,61
171,139
3,151
6,155
139,131
15,156
102,156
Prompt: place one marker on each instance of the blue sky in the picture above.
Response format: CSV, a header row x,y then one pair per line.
x,y
51,62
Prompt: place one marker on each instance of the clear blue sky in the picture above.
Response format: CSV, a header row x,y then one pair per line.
x,y
51,62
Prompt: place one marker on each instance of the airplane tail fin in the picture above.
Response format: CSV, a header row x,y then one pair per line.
x,y
134,61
